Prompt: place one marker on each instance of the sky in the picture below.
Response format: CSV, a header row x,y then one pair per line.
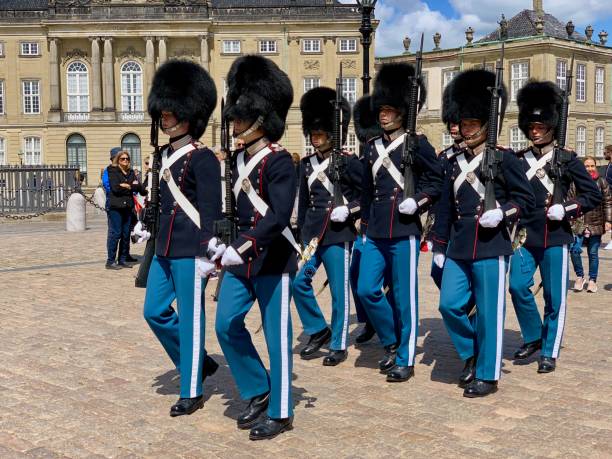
x,y
399,18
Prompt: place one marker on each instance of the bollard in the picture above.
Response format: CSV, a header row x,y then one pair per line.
x,y
99,197
75,213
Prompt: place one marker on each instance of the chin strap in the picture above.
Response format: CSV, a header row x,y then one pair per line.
x,y
172,129
477,134
258,122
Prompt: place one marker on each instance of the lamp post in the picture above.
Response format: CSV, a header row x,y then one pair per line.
x,y
366,7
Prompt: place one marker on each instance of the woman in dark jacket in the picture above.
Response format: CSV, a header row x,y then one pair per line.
x,y
123,185
588,230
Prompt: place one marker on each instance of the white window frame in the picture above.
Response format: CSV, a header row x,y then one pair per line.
x,y
600,78
581,95
29,48
561,74
600,141
2,151
447,140
347,45
30,90
2,101
308,148
349,89
581,140
1,49
311,83
447,76
519,75
352,144
518,141
131,87
77,87
268,46
308,45
32,151
231,46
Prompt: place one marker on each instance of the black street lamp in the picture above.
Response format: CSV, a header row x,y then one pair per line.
x,y
366,7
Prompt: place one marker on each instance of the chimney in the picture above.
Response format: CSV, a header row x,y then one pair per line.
x,y
538,7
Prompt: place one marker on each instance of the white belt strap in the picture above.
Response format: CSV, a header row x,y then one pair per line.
x,y
318,173
536,167
467,173
384,160
176,192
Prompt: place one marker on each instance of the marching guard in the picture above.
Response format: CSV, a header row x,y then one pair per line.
x,y
548,231
261,262
478,247
393,224
182,98
326,230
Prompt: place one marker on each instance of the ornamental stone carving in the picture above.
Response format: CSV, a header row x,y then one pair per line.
x,y
349,64
130,51
311,65
76,53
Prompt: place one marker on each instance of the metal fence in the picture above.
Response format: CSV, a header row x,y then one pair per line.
x,y
36,188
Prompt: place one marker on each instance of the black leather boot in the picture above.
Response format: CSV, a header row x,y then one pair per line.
x,y
314,344
209,367
270,428
257,405
527,349
546,364
367,334
186,406
480,388
388,360
469,372
400,374
334,358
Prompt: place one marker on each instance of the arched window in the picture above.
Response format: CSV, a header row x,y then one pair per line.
x,y
581,140
77,87
600,141
76,152
131,87
131,144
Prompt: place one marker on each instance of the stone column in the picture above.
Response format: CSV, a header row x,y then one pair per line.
x,y
162,49
204,60
149,60
96,76
54,76
108,76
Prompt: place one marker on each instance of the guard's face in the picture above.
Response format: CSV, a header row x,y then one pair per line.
x,y
170,124
540,133
590,166
470,127
319,139
388,115
240,126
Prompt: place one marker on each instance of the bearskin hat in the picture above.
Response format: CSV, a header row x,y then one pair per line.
x,y
257,87
317,106
470,96
185,89
448,117
392,87
366,120
539,102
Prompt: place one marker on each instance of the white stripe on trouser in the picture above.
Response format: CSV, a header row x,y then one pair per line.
x,y
413,318
501,296
347,295
284,321
562,306
195,343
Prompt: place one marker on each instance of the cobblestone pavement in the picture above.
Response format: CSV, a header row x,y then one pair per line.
x,y
83,376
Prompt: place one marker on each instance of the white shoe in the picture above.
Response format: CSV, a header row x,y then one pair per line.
x,y
609,246
592,288
579,284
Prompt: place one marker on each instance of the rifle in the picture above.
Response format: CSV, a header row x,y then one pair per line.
x,y
560,155
411,141
492,156
151,217
337,160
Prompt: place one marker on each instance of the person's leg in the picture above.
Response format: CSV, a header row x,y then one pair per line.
x,y
362,316
124,246
555,279
575,253
306,304
593,250
114,234
523,265
336,261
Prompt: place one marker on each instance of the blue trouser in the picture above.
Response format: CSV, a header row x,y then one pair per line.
x,y
553,264
436,275
592,243
335,259
401,255
182,334
273,293
486,280
118,234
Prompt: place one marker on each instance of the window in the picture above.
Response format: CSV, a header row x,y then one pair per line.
x,y
600,138
32,154
448,76
447,140
581,140
599,85
347,45
351,143
311,45
581,83
31,97
562,74
131,144
231,46
29,48
131,87
519,76
308,148
77,87
517,140
76,152
267,46
1,97
2,151
1,49
311,82
425,80
349,89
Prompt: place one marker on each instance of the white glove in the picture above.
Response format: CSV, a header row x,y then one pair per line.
x,y
491,218
556,212
339,214
438,259
143,235
204,266
215,249
231,257
408,206
429,246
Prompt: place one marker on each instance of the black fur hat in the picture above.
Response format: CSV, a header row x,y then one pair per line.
x,y
366,120
392,87
185,89
470,97
448,117
317,106
539,102
257,87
